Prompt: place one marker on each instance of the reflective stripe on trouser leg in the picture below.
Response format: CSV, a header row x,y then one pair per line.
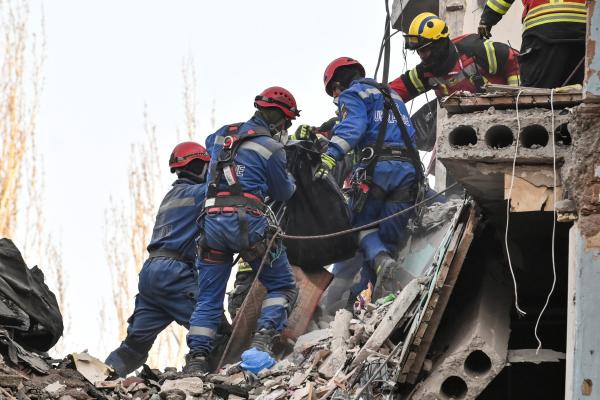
x,y
275,301
206,318
280,283
202,331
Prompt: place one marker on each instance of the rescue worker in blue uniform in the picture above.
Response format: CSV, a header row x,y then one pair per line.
x,y
247,166
393,184
168,280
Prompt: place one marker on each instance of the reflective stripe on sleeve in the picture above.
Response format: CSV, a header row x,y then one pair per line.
x,y
556,7
202,331
257,148
413,76
176,203
513,80
275,301
491,56
341,143
553,18
363,234
499,6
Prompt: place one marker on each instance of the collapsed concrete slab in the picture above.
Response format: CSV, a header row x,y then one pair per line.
x,y
477,345
478,148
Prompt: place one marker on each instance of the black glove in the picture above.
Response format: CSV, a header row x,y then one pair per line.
x,y
484,30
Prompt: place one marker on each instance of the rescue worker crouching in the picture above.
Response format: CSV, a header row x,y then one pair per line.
x,y
390,182
168,280
553,45
248,165
465,63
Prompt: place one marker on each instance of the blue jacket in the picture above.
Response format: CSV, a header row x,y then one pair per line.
x,y
175,228
260,163
360,112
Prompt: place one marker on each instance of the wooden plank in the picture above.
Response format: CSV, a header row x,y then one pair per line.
x,y
499,88
458,104
394,314
311,285
444,294
244,323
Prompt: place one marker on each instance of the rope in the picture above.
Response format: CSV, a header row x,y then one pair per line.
x,y
366,226
512,181
537,323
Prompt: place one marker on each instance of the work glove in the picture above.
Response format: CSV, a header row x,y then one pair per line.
x,y
327,164
485,31
303,132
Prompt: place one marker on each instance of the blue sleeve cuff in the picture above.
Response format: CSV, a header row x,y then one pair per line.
x,y
335,152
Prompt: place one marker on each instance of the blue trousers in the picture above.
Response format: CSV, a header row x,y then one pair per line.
x,y
167,291
222,233
390,176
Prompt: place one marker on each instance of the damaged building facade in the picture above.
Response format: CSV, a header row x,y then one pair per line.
x,y
543,148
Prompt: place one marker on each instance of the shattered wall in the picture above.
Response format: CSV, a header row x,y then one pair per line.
x,y
582,171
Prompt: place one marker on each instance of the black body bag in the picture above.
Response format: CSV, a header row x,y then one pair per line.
x,y
27,289
317,207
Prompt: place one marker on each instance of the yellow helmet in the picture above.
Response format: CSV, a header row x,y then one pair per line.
x,y
425,29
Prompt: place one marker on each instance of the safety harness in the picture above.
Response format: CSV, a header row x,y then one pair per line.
x,y
233,199
363,185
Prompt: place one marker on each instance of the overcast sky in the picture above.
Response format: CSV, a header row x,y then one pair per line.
x,y
106,59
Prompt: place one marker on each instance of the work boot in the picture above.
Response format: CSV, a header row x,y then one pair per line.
x,y
195,363
259,355
384,266
264,339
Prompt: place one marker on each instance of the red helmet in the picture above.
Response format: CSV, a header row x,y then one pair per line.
x,y
279,97
333,66
185,152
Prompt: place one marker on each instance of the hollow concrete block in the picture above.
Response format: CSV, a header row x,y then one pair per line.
x,y
490,135
477,344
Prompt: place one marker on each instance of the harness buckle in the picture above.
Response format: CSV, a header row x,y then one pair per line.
x,y
229,141
367,154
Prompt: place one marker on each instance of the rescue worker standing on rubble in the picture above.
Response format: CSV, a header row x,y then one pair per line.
x,y
247,165
447,65
391,186
168,280
553,45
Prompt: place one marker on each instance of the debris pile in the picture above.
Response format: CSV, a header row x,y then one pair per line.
x,y
378,350
325,362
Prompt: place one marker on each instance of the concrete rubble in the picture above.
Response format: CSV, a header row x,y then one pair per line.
x,y
355,354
